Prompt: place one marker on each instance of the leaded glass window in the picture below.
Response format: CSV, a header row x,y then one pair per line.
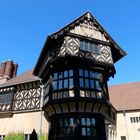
x,y
84,126
5,98
89,46
63,84
90,84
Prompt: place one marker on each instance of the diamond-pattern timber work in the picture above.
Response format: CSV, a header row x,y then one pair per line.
x,y
88,29
5,107
58,50
73,48
106,54
26,99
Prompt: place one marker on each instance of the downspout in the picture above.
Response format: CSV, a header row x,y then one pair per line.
x,y
127,134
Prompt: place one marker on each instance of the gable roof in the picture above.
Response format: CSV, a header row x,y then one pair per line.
x,y
125,96
117,51
23,78
88,16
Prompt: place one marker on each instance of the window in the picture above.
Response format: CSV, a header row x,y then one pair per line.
x,y
2,137
66,127
135,119
26,136
89,47
123,137
63,84
5,98
89,83
80,126
88,126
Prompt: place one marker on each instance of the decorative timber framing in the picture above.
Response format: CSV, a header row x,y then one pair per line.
x,y
20,98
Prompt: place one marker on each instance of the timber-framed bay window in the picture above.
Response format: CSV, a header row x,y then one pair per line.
x,y
77,126
63,84
90,84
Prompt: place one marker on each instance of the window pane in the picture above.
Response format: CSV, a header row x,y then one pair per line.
x,y
59,95
86,73
60,84
66,83
81,81
70,73
61,123
82,93
60,75
91,74
96,75
66,122
54,85
87,83
65,74
80,72
92,84
93,95
83,122
86,46
97,48
93,122
71,93
66,131
54,95
71,132
88,122
91,47
81,45
87,93
97,83
65,94
89,131
93,131
71,121
71,83
55,76
99,95
83,131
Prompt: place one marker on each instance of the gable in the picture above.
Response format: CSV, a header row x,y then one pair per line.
x,y
88,26
89,29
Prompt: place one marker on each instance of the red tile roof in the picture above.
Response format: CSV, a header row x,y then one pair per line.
x,y
125,96
23,78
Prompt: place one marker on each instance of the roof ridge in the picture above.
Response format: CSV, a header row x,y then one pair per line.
x,y
25,77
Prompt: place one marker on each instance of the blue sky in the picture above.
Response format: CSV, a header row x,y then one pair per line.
x,y
25,24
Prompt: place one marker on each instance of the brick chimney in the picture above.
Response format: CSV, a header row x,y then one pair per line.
x,y
8,70
2,68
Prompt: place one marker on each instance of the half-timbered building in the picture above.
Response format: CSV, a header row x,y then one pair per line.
x,y
73,69
74,66
20,102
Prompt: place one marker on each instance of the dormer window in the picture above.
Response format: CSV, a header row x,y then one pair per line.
x,y
89,46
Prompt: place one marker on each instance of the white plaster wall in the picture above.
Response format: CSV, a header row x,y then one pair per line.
x,y
23,122
126,128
